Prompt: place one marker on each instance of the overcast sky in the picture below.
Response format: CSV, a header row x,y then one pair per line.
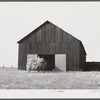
x,y
17,19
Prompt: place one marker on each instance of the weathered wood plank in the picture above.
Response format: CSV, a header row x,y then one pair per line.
x,y
38,36
43,34
52,48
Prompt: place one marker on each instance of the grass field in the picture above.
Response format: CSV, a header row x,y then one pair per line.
x,y
11,78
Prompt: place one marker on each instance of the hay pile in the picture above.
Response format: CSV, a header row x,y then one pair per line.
x,y
36,64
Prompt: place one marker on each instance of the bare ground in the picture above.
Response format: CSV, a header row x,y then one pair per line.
x,y
11,78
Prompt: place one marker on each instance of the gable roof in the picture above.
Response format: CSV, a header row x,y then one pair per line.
x,y
34,30
45,23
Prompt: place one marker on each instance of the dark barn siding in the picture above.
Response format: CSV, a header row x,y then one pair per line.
x,y
92,66
50,39
82,59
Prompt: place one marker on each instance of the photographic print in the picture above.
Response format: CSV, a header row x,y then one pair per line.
x,y
50,46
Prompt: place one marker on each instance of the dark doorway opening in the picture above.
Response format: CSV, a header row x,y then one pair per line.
x,y
50,59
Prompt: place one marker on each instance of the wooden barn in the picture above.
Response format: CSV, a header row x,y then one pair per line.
x,y
61,50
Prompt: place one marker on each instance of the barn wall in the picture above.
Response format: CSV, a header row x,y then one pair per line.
x,y
72,57
92,66
49,39
82,57
19,57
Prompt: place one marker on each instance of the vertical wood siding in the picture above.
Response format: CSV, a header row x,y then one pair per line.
x,y
82,59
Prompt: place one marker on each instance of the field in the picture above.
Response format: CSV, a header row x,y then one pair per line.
x,y
11,78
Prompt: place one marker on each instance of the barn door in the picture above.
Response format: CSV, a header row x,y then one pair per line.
x,y
60,62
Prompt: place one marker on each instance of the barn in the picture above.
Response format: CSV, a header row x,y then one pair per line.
x,y
62,51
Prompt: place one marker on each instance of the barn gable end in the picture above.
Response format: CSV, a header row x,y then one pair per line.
x,y
49,39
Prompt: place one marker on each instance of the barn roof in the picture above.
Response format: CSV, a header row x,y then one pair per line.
x,y
34,31
47,22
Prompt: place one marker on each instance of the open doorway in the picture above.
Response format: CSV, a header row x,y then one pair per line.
x,y
55,62
50,59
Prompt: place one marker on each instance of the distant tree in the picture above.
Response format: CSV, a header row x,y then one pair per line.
x,y
3,66
11,66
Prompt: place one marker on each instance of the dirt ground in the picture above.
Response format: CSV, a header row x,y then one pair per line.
x,y
11,78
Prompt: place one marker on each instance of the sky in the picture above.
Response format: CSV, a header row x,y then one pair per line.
x,y
17,19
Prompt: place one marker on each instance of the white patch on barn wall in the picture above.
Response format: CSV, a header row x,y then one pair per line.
x,y
60,62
